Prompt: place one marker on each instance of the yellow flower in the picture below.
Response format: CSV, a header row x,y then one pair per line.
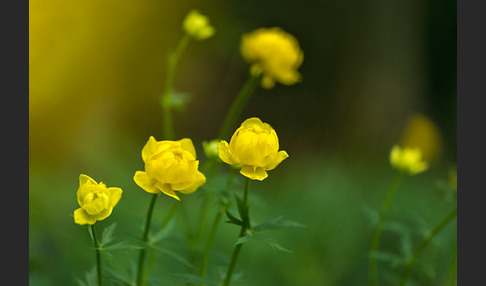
x,y
274,53
408,160
169,166
96,201
197,26
421,132
254,147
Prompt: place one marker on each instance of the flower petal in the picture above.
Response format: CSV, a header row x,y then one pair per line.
x,y
115,196
225,154
271,161
198,181
254,173
149,149
145,182
187,145
82,217
166,189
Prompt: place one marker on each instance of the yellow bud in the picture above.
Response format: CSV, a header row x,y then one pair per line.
x,y
96,201
254,146
408,160
273,52
197,26
211,148
169,166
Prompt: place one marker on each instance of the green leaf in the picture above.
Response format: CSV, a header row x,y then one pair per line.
x,y
277,223
173,255
108,234
233,219
162,233
92,277
90,233
193,279
243,209
243,239
271,243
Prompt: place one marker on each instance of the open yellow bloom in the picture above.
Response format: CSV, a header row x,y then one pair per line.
x,y
408,160
274,53
254,147
197,25
169,166
96,201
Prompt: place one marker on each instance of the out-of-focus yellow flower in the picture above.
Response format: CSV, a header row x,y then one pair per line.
x,y
421,132
408,160
274,53
254,147
211,148
169,166
197,25
96,201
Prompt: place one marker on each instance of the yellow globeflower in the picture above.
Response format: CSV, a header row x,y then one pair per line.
x,y
197,25
169,166
254,147
408,160
274,53
96,201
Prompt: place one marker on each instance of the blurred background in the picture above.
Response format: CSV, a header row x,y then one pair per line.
x,y
375,73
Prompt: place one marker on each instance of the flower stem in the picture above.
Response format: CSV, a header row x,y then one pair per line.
x,y
214,228
143,251
174,57
237,106
237,248
373,267
98,255
424,243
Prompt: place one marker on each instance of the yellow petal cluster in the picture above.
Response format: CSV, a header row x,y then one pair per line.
x,y
274,53
254,147
96,201
408,160
197,26
169,166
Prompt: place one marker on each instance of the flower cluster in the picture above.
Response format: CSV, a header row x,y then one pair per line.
x,y
197,26
274,53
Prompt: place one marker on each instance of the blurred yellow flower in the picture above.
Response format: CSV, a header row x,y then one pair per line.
x,y
408,160
96,201
254,147
274,53
197,26
421,132
169,166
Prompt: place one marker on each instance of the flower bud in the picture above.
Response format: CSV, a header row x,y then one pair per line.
x,y
197,26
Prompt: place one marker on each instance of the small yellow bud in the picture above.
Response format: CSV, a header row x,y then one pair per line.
x,y
96,201
211,148
197,26
254,147
408,160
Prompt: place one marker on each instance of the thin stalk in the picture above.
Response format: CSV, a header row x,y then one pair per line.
x,y
168,127
143,251
166,220
424,243
214,228
452,277
373,266
237,248
98,255
237,106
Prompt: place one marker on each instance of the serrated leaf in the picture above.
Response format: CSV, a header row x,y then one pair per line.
x,y
115,277
277,223
233,219
272,243
243,239
108,234
243,209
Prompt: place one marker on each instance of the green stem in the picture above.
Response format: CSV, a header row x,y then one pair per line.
x,y
166,220
237,106
214,228
143,251
237,248
452,277
424,243
373,267
168,127
98,255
